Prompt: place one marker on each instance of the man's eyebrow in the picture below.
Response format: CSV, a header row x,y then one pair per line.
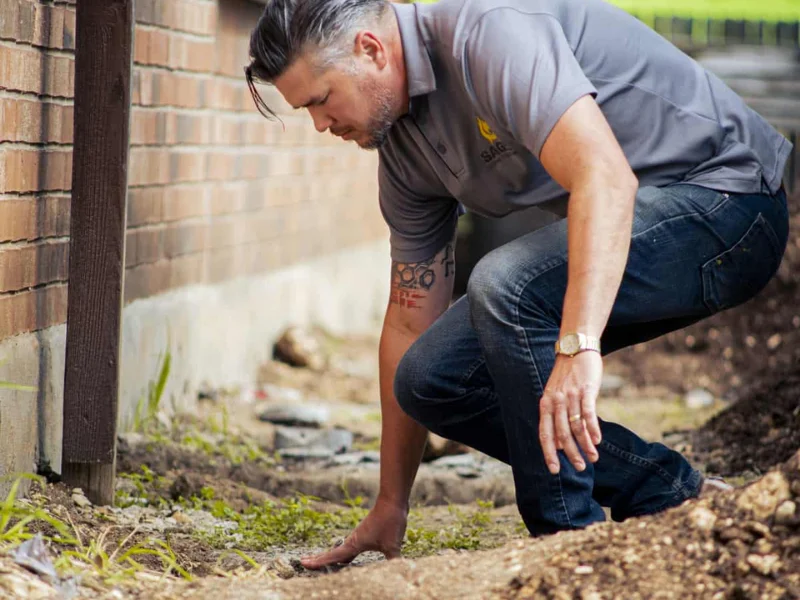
x,y
314,100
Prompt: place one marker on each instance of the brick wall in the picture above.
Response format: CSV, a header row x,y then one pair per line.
x,y
215,190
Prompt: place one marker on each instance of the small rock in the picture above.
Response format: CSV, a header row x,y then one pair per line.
x,y
79,499
468,472
182,518
763,497
455,461
611,384
702,518
584,570
796,487
337,440
299,348
354,458
785,513
306,453
774,341
698,398
307,415
765,565
186,485
283,568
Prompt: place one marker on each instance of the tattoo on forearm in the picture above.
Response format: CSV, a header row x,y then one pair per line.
x,y
449,261
411,280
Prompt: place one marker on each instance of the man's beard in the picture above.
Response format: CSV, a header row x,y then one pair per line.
x,y
381,119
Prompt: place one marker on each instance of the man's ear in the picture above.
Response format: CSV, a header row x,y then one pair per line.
x,y
369,46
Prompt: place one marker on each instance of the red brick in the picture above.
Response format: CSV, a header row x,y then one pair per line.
x,y
37,122
184,238
33,310
68,42
146,280
223,264
144,206
144,245
48,25
186,270
183,15
35,170
21,70
33,217
186,166
29,265
149,166
9,20
185,202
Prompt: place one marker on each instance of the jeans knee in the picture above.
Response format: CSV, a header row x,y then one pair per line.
x,y
407,380
487,285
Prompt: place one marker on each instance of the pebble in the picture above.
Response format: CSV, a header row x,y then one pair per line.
x,y
763,497
584,570
455,461
784,515
698,398
182,518
764,564
702,518
283,568
80,500
774,341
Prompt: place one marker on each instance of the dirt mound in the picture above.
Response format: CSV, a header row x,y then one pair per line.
x,y
756,433
742,544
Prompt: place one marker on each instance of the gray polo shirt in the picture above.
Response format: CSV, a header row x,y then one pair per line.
x,y
488,80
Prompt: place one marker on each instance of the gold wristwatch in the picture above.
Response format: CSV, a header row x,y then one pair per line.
x,y
571,343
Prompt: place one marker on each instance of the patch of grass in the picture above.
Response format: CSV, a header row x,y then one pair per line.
x,y
149,489
91,558
464,534
146,417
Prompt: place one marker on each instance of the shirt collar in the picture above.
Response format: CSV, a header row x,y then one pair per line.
x,y
419,71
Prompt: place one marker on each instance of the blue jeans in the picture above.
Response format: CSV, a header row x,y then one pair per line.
x,y
477,374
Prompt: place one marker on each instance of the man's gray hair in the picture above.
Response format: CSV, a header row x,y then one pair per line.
x,y
289,28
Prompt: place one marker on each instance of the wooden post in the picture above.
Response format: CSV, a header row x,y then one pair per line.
x,y
104,36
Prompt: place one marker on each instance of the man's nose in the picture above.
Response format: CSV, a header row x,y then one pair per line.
x,y
321,120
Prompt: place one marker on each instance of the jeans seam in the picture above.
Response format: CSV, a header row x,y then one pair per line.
x,y
470,372
675,483
709,212
524,339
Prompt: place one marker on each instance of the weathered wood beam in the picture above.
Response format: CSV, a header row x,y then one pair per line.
x,y
103,55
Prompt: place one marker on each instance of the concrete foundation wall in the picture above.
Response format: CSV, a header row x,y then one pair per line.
x,y
217,334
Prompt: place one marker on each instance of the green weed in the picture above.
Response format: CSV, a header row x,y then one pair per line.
x,y
146,417
463,534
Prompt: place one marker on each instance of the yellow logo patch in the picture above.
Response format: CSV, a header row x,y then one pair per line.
x,y
486,131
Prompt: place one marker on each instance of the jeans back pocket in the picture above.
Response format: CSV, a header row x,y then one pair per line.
x,y
739,273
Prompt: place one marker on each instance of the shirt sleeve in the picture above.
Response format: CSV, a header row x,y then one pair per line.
x,y
520,70
419,225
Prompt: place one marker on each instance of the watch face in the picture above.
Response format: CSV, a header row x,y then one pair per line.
x,y
570,344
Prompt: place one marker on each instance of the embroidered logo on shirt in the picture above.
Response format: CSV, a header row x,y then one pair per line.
x,y
486,131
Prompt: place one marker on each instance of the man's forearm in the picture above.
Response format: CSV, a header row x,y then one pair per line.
x,y
402,438
599,233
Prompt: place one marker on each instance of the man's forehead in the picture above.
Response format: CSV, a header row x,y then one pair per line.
x,y
300,83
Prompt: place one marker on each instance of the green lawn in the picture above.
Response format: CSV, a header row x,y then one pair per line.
x,y
766,10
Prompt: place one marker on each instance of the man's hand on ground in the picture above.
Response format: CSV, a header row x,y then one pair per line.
x,y
381,530
571,390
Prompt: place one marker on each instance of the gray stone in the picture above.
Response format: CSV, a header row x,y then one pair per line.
x,y
611,384
337,440
355,458
468,472
455,461
306,453
308,415
698,398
